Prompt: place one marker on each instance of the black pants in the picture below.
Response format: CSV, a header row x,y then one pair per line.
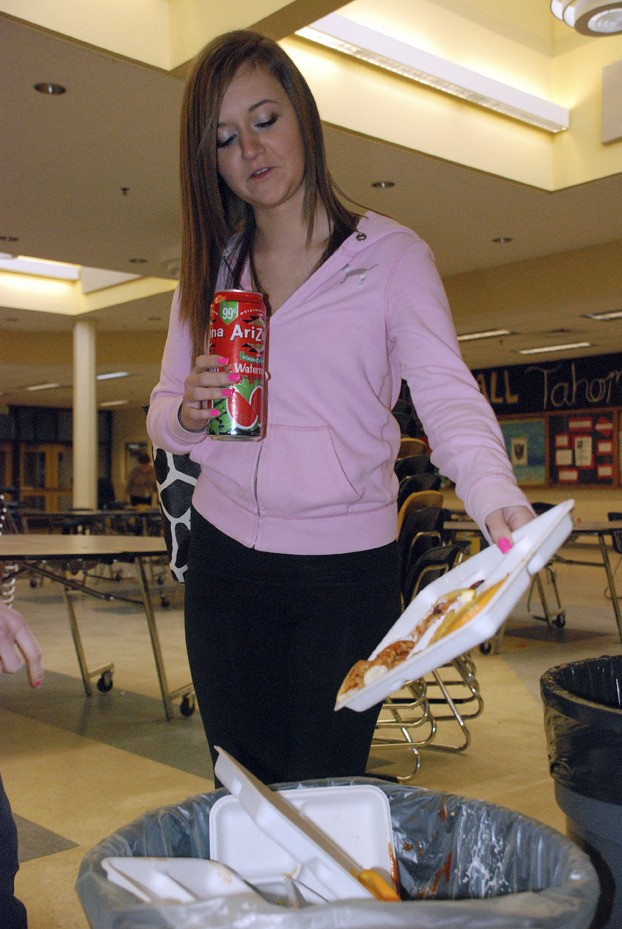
x,y
12,910
270,638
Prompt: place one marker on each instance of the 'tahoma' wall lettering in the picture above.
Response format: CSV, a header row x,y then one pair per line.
x,y
575,384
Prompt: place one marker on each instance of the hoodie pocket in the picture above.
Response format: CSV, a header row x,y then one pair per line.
x,y
301,475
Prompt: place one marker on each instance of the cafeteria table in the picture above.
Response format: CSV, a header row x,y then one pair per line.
x,y
600,530
139,520
62,558
603,531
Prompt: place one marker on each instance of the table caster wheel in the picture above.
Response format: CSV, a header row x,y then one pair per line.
x,y
165,602
105,682
187,705
486,648
560,621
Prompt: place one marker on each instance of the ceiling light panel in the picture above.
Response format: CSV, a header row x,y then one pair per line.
x,y
375,48
486,334
543,349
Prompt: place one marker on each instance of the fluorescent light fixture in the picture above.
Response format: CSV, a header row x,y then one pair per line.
x,y
358,41
40,267
43,386
552,348
113,403
590,17
486,334
111,375
604,317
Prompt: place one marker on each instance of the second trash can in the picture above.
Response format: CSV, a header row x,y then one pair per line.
x,y
583,722
460,863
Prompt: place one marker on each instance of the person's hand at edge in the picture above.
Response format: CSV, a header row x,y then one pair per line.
x,y
18,644
503,522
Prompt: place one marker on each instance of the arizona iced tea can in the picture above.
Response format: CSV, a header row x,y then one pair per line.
x,y
237,331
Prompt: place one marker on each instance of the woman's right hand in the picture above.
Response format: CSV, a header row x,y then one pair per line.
x,y
209,380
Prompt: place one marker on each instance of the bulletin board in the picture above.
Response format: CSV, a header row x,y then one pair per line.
x,y
525,443
582,448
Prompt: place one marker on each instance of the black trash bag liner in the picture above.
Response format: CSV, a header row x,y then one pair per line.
x,y
583,724
461,863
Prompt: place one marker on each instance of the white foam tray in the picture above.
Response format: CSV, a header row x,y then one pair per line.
x,y
533,546
356,817
174,880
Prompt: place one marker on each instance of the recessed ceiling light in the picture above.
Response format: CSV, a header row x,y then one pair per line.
x,y
9,238
502,240
552,348
111,375
53,90
154,319
383,185
612,314
485,334
138,261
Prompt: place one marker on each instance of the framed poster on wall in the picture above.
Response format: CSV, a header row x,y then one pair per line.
x,y
582,448
525,443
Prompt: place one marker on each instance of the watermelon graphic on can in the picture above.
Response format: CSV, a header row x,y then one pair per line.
x,y
237,330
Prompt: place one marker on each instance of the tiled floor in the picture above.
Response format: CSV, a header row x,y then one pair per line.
x,y
76,768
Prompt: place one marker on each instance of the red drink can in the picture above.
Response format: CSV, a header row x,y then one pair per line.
x,y
237,331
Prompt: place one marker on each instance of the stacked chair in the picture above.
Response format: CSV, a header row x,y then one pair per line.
x,y
410,717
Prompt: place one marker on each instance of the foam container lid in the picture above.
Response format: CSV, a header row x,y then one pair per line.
x,y
319,862
533,545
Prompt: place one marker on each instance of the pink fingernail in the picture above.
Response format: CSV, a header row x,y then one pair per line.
x,y
504,545
214,412
234,378
37,683
222,360
226,391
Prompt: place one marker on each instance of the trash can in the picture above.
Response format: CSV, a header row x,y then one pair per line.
x,y
460,863
583,723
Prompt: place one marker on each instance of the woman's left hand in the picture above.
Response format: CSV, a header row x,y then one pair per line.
x,y
503,522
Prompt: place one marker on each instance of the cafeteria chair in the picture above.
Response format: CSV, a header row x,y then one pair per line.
x,y
410,446
416,501
421,530
544,585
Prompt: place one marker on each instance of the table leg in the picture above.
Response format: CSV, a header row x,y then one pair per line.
x,y
155,638
604,551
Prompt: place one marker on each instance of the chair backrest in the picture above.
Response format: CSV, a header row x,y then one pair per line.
x,y
540,507
427,481
412,464
427,568
416,501
410,446
421,530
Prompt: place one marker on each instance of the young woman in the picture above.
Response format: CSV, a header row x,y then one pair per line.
x,y
292,574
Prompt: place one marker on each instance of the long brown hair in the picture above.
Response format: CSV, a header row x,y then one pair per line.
x,y
211,212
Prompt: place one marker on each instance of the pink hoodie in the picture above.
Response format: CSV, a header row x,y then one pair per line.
x,y
322,480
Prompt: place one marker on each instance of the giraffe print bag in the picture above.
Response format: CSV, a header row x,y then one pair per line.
x,y
176,476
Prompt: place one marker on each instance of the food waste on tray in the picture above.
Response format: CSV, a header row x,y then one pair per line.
x,y
458,611
450,612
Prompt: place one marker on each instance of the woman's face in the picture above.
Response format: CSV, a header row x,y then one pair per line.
x,y
260,153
